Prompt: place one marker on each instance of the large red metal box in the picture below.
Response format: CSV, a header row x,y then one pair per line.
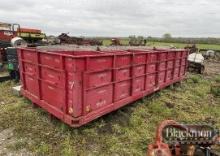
x,y
80,86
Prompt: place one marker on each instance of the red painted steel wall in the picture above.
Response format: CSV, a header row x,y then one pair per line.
x,y
80,86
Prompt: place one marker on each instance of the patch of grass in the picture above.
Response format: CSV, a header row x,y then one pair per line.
x,y
215,89
107,42
18,145
217,79
43,149
67,147
126,131
195,78
182,45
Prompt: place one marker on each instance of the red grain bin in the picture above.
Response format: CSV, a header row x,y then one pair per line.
x,y
80,86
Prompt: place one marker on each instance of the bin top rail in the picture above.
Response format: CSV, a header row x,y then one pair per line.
x,y
96,53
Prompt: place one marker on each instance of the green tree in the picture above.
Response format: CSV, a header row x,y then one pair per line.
x,y
167,36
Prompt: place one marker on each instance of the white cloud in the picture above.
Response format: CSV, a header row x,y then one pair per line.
x,y
116,18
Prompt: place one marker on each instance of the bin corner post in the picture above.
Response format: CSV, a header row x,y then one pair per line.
x,y
180,64
166,68
38,74
64,74
186,61
157,71
85,108
174,66
20,61
146,72
114,78
132,74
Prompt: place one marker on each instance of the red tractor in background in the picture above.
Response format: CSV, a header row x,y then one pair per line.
x,y
11,36
10,31
7,33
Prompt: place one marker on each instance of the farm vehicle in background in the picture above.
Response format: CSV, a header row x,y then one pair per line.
x,y
137,41
12,36
195,60
66,39
197,57
9,31
115,42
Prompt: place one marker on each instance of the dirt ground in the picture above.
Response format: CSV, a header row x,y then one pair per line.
x,y
8,139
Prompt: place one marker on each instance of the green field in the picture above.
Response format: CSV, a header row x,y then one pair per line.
x,y
163,44
107,42
181,45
